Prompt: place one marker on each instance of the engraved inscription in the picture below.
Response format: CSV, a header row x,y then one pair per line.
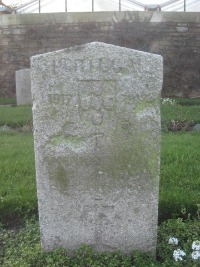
x,y
60,99
96,99
93,101
102,67
59,65
88,68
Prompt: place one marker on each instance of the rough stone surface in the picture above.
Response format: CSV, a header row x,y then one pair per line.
x,y
196,128
97,147
23,87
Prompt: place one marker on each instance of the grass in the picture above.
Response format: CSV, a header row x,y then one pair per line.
x,y
15,116
181,113
179,196
7,101
180,174
17,172
188,101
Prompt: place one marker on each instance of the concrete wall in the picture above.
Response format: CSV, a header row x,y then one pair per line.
x,y
173,35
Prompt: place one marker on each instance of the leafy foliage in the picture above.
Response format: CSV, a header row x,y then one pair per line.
x,y
22,248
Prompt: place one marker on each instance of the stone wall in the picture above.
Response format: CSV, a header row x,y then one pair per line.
x,y
175,36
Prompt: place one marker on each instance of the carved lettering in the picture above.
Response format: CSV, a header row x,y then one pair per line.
x,y
59,65
60,99
96,97
93,101
88,68
83,65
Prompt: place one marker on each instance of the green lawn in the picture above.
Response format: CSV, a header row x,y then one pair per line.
x,y
7,101
188,101
15,116
180,174
181,113
17,172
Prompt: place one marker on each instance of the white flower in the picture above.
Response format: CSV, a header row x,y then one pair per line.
x,y
168,101
196,255
178,254
173,241
196,245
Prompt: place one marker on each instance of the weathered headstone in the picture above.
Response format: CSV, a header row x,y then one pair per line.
x,y
23,87
97,145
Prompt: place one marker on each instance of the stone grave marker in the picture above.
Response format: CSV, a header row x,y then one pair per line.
x,y
23,87
97,147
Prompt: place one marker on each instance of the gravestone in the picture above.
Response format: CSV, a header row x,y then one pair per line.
x,y
97,147
23,87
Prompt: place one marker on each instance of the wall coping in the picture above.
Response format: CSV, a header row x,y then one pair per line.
x,y
108,16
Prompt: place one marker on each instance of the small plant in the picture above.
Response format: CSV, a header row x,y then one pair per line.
x,y
179,240
168,101
178,126
177,117
173,241
178,254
